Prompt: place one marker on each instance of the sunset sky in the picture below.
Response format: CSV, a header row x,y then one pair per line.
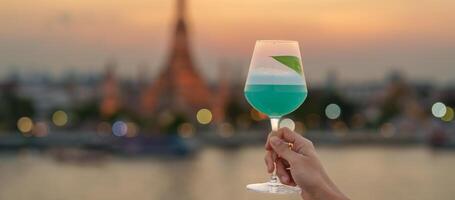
x,y
360,39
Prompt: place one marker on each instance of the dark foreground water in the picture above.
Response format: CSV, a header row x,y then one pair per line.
x,y
216,174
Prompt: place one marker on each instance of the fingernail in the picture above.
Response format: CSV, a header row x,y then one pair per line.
x,y
275,141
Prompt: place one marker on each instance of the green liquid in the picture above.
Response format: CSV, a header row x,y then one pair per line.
x,y
275,100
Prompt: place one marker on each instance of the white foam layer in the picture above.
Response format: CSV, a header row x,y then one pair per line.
x,y
275,79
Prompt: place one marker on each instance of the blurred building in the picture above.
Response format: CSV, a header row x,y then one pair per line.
x,y
110,99
179,88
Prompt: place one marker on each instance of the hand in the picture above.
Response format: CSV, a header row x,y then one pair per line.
x,y
297,163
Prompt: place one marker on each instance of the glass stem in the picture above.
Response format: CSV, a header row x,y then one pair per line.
x,y
275,122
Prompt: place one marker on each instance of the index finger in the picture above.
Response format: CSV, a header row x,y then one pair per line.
x,y
299,143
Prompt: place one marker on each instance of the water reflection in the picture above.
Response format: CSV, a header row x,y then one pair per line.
x,y
363,172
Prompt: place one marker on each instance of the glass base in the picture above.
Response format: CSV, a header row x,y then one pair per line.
x,y
274,187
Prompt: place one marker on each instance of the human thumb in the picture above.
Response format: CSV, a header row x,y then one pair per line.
x,y
282,148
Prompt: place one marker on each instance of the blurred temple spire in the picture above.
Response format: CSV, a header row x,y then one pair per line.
x,y
179,87
181,10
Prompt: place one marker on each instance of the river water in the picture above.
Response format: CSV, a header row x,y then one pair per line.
x,y
363,172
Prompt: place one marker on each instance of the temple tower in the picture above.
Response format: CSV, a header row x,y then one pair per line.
x,y
178,87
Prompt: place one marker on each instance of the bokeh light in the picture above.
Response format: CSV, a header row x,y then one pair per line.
x,y
119,128
103,128
204,116
186,130
226,130
289,123
59,118
132,129
40,129
449,115
165,118
438,109
340,128
24,124
387,130
332,111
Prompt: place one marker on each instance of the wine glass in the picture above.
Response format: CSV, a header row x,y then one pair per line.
x,y
275,86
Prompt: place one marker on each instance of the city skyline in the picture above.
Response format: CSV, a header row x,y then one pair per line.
x,y
361,40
